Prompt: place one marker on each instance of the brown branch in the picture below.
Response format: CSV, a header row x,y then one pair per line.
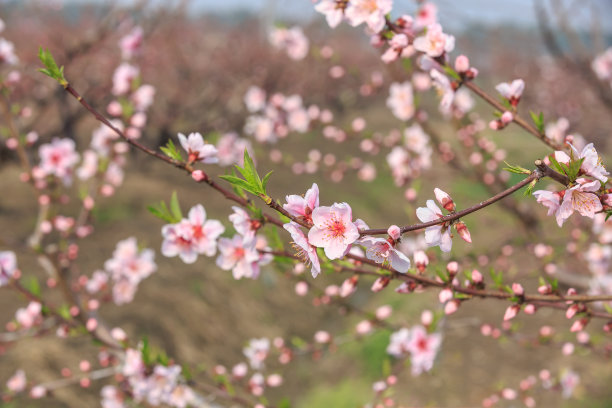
x,y
534,176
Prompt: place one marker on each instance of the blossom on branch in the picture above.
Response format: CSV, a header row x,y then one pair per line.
x,y
333,230
197,149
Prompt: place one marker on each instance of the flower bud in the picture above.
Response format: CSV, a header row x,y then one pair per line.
x,y
444,199
462,64
518,290
421,261
394,232
476,277
463,232
507,117
511,312
380,283
445,295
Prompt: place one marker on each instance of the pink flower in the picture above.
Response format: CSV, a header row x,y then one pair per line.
x,y
8,266
239,256
569,380
230,149
257,352
111,397
197,149
549,199
142,98
511,91
132,364
30,315
299,206
7,53
444,89
591,165
306,252
381,251
398,46
426,16
602,65
333,230
192,236
401,100
437,235
243,224
130,262
333,11
255,99
58,158
292,40
399,343
131,43
17,382
434,43
580,198
423,349
371,12
123,78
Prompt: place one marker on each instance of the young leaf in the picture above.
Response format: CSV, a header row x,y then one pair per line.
x,y
238,182
265,181
538,120
51,69
171,151
516,169
175,207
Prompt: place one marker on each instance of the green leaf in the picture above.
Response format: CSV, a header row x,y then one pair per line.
x,y
497,277
538,120
555,164
530,187
32,286
175,207
51,69
145,351
516,169
243,184
160,210
186,372
451,73
574,169
265,181
284,403
172,151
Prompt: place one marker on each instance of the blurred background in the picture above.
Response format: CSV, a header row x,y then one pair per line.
x,y
202,57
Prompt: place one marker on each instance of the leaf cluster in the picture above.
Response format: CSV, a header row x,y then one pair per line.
x,y
251,181
172,215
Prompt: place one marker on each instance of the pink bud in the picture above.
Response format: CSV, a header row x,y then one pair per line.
x,y
451,307
494,125
383,312
567,349
507,117
508,394
571,311
394,232
463,232
518,290
583,337
301,288
198,175
421,260
544,289
322,337
445,200
427,317
274,380
84,365
462,64
511,312
380,283
364,327
476,276
445,295
579,325
348,286
91,324
529,309
452,268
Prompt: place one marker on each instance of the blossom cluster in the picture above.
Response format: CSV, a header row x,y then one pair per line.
x,y
583,194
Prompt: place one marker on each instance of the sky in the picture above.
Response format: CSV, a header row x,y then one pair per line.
x,y
455,14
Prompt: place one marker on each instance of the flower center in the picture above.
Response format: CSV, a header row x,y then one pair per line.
x,y
336,228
